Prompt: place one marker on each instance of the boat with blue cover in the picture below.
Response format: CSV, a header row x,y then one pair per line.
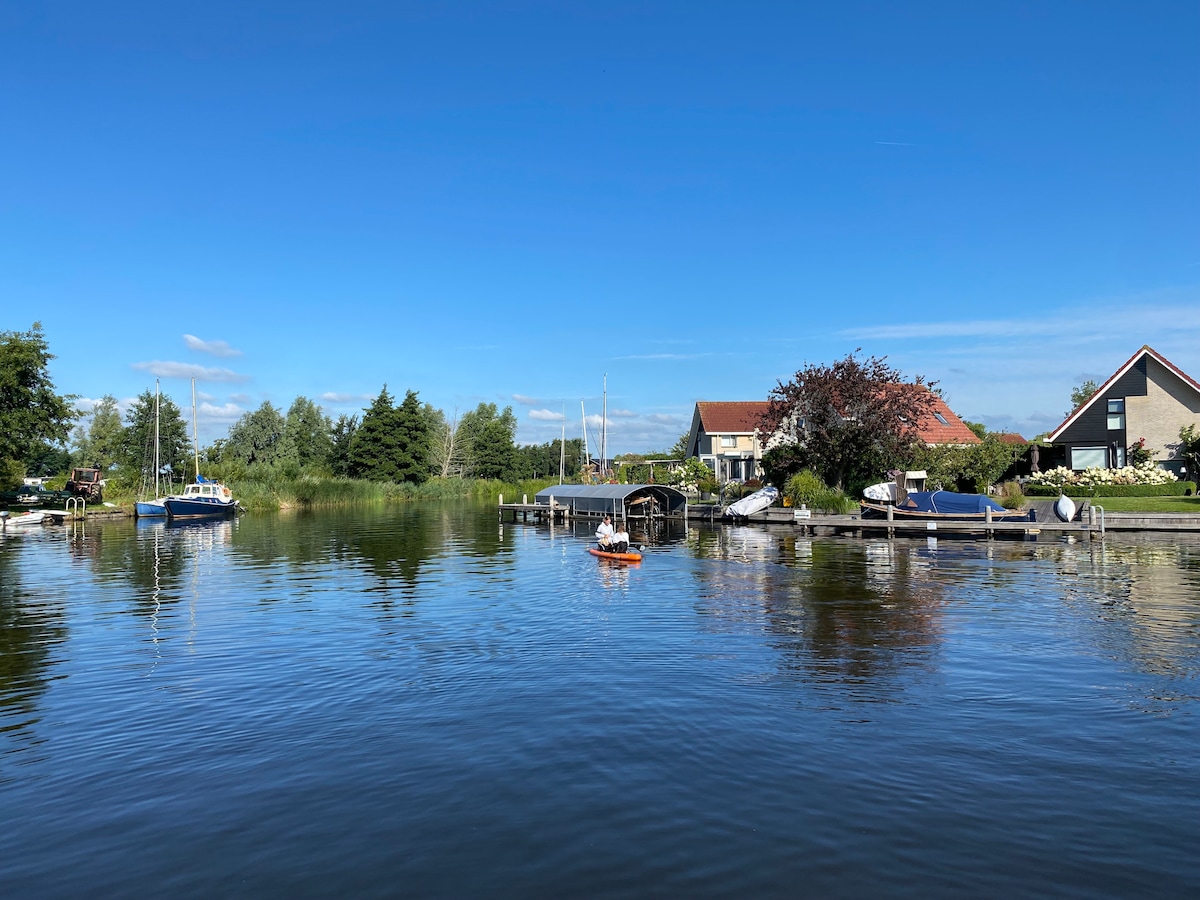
x,y
944,505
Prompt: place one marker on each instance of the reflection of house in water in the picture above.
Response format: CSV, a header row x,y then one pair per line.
x,y
1138,602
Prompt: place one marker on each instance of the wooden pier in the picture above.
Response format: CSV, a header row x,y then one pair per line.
x,y
539,512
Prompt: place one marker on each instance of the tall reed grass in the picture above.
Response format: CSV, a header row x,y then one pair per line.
x,y
272,493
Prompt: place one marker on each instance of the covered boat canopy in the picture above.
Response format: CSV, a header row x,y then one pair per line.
x,y
949,503
619,500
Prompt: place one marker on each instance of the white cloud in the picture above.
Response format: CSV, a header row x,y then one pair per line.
x,y
527,401
622,414
664,419
162,369
216,348
545,415
226,412
334,397
666,356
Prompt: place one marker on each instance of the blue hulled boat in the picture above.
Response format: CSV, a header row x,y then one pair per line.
x,y
206,498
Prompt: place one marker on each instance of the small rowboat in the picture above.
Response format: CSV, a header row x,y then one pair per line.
x,y
632,556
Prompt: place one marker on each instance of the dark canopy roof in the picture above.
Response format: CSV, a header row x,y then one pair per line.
x,y
597,499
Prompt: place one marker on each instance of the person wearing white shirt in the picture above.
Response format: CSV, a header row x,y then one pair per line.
x,y
604,533
620,540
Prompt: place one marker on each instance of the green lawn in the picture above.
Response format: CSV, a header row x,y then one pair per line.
x,y
1148,504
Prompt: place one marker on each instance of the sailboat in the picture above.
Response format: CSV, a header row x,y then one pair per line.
x,y
205,498
151,509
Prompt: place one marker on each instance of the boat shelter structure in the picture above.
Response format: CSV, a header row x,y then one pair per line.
x,y
624,501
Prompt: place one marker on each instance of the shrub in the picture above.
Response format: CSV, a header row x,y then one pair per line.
x,y
1172,489
1147,473
1011,495
806,488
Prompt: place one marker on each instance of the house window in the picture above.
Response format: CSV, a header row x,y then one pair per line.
x,y
728,440
1116,415
1089,457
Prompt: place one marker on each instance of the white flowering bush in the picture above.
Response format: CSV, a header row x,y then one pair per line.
x,y
689,476
1143,473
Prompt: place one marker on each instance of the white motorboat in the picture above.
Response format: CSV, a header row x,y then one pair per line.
x,y
756,502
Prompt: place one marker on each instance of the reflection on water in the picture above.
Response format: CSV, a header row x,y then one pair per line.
x,y
343,702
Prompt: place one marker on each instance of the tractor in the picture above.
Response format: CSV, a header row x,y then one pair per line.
x,y
86,483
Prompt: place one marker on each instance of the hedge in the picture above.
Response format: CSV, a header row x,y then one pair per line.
x,y
1173,489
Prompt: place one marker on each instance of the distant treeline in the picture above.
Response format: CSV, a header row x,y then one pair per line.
x,y
406,443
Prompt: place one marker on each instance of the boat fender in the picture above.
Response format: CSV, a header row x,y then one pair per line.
x,y
1064,508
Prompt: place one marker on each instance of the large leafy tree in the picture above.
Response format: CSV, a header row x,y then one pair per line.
x,y
542,460
33,418
259,438
308,431
100,444
174,442
487,436
850,421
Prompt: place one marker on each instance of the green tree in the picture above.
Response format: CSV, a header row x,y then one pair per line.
x,y
374,447
487,436
542,460
136,456
1189,451
100,445
341,437
33,418
308,431
259,438
971,467
1081,393
850,420
977,428
412,446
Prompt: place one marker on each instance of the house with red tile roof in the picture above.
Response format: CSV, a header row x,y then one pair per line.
x,y
726,437
1011,437
1147,398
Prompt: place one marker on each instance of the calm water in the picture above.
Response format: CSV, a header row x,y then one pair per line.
x,y
420,702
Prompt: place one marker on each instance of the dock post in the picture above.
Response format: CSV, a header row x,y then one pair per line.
x,y
891,518
987,520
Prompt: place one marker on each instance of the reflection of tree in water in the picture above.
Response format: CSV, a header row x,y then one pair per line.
x,y
401,549
148,555
29,628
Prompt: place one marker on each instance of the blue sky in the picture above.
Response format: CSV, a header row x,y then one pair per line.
x,y
503,202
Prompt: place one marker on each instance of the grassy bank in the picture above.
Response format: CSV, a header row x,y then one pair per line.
x,y
313,491
1177,505
317,491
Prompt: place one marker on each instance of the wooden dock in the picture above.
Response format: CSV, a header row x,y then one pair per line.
x,y
539,512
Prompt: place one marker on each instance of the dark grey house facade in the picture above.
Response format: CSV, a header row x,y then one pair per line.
x,y
1148,398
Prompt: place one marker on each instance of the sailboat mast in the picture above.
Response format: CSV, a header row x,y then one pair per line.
x,y
604,430
195,433
562,447
587,456
157,465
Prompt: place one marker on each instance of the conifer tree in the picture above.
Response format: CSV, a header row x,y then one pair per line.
x,y
374,449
